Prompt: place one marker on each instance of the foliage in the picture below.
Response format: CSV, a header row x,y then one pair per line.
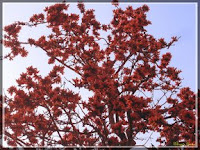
x,y
123,76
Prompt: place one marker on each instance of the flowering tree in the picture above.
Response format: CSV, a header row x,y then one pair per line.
x,y
123,77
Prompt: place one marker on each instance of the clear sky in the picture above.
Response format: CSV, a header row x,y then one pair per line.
x,y
168,19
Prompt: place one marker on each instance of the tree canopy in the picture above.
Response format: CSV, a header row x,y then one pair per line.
x,y
123,77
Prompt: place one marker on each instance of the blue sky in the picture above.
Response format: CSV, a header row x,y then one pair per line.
x,y
168,19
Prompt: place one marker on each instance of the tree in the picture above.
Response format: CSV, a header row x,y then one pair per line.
x,y
123,77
